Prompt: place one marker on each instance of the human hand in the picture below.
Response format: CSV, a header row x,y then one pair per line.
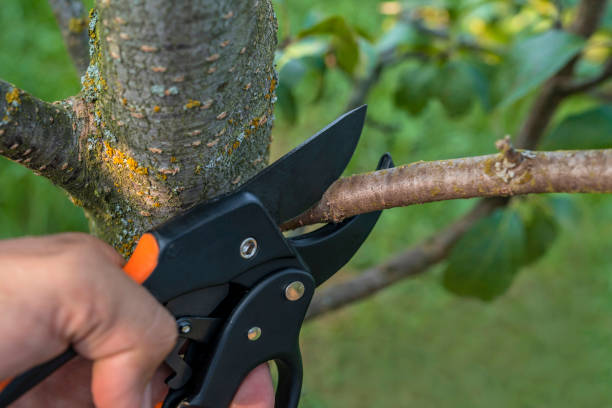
x,y
69,289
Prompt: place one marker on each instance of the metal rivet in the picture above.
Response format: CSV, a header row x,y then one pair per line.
x,y
248,248
185,328
294,291
254,333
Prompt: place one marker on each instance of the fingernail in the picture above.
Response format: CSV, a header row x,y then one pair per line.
x,y
147,399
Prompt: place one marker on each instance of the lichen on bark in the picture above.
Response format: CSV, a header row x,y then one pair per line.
x,y
176,108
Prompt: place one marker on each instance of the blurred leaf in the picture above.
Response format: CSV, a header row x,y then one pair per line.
x,y
537,58
591,129
292,72
541,230
400,33
344,40
565,210
308,47
485,260
286,103
415,87
455,89
482,75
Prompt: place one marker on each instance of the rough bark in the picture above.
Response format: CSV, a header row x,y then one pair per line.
x,y
181,97
175,108
40,136
586,171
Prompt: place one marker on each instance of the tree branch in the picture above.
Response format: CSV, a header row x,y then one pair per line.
x,y
604,75
551,95
586,171
409,263
40,136
72,20
418,259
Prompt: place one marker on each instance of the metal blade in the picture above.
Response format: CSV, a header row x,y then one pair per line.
x,y
329,248
297,180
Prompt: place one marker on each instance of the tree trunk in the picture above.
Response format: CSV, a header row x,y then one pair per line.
x,y
176,107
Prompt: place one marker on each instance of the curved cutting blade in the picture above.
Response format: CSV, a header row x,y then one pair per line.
x,y
293,183
329,248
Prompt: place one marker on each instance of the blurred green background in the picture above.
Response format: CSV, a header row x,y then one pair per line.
x,y
545,342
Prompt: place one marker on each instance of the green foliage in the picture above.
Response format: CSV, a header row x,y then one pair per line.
x,y
485,260
536,58
591,129
415,88
541,230
344,41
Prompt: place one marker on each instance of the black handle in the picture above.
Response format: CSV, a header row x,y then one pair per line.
x,y
264,326
31,378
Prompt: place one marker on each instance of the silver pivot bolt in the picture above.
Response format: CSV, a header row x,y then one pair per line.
x,y
248,248
185,328
254,333
294,291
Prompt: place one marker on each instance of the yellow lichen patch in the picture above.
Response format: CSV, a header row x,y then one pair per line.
x,y
123,161
435,191
488,167
192,103
12,98
172,159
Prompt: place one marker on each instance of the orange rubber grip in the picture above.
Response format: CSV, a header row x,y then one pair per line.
x,y
144,259
4,383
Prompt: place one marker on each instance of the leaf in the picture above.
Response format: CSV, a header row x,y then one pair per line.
x,y
344,40
400,33
537,58
456,89
485,260
415,87
286,103
302,49
292,72
591,129
541,230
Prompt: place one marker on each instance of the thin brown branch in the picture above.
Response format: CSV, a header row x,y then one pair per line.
x,y
417,260
551,95
500,175
72,20
409,263
587,85
40,136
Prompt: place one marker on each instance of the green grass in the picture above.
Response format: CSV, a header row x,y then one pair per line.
x,y
545,343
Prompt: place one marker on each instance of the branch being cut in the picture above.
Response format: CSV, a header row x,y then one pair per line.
x,y
587,171
72,20
40,136
418,259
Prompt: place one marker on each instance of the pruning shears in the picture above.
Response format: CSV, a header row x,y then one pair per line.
x,y
238,288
